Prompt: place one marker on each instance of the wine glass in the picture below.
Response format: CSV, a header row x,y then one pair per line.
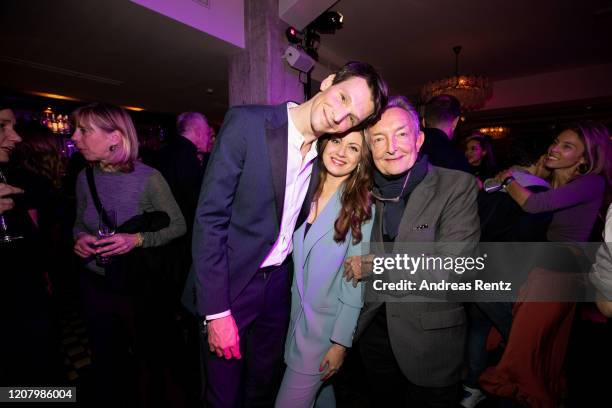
x,y
107,225
5,236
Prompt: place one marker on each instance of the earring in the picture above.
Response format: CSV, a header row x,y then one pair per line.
x,y
583,168
112,148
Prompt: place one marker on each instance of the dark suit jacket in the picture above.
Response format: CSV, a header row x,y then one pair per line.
x,y
503,220
241,202
180,166
429,338
441,152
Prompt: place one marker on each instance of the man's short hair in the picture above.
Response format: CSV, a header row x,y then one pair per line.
x,y
187,120
442,109
378,87
401,102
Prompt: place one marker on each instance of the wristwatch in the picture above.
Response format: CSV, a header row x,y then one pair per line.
x,y
507,181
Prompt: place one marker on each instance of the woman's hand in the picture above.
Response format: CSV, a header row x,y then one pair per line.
x,y
118,244
332,361
357,267
502,175
7,203
85,245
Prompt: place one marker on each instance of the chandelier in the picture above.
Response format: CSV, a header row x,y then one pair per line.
x,y
472,91
495,132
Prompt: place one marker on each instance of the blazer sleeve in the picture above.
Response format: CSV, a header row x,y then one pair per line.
x,y
351,298
213,214
459,221
582,190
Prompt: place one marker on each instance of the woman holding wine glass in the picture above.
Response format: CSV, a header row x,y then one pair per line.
x,y
116,189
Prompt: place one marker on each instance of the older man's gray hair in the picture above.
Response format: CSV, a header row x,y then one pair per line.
x,y
400,101
189,120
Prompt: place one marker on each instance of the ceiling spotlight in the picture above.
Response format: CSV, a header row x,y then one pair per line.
x,y
328,22
293,35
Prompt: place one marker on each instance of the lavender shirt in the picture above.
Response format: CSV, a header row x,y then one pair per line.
x,y
575,207
129,194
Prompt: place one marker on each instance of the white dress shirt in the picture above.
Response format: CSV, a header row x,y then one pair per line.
x,y
296,186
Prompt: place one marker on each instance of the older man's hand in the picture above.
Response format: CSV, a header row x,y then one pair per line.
x,y
357,267
5,202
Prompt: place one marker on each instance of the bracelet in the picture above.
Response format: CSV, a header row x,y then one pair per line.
x,y
507,181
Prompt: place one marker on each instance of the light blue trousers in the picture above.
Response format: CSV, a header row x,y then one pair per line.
x,y
301,390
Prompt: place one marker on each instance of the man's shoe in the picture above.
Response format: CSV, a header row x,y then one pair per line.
x,y
471,397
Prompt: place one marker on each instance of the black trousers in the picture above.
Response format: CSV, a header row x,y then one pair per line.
x,y
387,385
129,344
261,312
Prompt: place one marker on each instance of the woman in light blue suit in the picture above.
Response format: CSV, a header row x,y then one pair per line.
x,y
324,307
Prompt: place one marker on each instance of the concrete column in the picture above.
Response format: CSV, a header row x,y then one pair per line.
x,y
259,75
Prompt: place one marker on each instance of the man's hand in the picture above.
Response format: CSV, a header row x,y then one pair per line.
x,y
223,337
332,361
357,267
6,190
85,245
118,244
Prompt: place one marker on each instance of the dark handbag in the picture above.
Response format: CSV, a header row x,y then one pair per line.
x,y
123,272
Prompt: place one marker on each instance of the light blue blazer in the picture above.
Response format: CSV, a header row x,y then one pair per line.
x,y
324,307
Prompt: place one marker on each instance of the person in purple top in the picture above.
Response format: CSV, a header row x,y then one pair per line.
x,y
581,176
531,368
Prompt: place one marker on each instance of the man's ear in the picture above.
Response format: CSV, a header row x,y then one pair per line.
x,y
327,82
454,124
420,140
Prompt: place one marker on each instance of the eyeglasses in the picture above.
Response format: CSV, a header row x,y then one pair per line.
x,y
394,199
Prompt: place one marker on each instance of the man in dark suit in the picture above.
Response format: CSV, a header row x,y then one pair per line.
x,y
442,114
184,160
182,163
413,351
251,198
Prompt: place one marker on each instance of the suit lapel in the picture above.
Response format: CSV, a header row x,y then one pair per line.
x,y
323,223
298,256
277,141
418,201
312,186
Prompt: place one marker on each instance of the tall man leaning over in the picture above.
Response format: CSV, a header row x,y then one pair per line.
x,y
251,197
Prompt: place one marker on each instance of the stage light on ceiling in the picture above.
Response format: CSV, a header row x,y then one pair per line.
x,y
293,35
328,22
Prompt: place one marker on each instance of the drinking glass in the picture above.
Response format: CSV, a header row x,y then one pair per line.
x,y
107,225
5,235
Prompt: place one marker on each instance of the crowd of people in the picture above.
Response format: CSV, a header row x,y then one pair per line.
x,y
237,267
